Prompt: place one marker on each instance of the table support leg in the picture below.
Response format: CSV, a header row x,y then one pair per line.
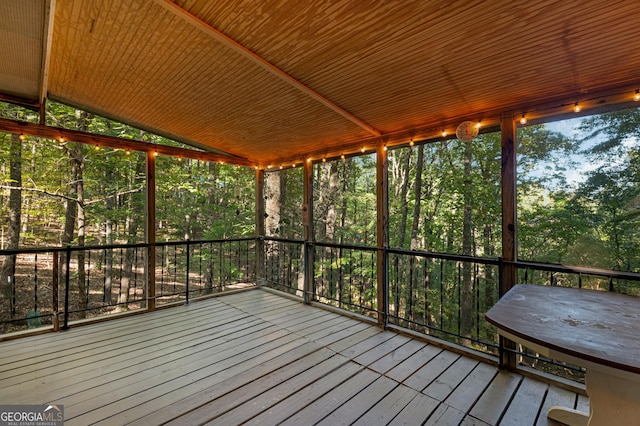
x,y
613,399
568,416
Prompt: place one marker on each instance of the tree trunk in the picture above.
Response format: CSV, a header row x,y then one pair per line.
x,y
108,257
75,153
7,276
83,287
272,225
415,225
209,220
133,223
466,295
330,222
404,189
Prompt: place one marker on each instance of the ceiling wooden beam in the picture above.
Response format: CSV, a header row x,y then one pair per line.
x,y
49,13
23,102
268,66
49,132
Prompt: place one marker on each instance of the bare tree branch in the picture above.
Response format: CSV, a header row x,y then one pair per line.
x,y
65,197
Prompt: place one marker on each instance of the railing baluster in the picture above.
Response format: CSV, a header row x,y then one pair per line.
x,y
186,281
35,283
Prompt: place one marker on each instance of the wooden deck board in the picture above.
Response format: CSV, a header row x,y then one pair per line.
x,y
555,396
260,358
416,411
526,404
496,397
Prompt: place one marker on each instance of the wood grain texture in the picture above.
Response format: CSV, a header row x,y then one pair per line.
x,y
274,81
258,358
595,326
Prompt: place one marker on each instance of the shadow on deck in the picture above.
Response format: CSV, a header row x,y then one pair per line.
x,y
256,357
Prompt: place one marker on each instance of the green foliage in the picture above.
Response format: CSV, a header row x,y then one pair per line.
x,y
218,199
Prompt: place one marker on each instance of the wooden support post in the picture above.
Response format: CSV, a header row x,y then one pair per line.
x,y
382,221
260,231
307,221
150,230
509,224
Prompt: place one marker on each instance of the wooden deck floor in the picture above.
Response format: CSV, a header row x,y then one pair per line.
x,y
259,358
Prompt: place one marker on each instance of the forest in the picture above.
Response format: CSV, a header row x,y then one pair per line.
x,y
578,204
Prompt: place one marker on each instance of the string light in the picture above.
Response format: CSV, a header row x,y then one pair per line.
x,y
384,147
324,159
576,107
127,152
61,139
342,156
97,148
22,137
411,142
309,160
293,165
363,149
636,97
444,133
523,119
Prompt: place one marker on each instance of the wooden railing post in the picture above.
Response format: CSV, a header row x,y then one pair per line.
x,y
260,229
150,230
307,221
382,222
509,225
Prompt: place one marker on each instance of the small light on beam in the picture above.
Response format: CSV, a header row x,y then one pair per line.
x,y
636,96
576,107
523,120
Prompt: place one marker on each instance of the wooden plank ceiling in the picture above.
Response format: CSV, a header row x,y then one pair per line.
x,y
276,81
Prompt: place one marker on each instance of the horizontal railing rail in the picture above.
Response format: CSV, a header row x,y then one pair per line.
x,y
49,287
345,276
438,294
444,295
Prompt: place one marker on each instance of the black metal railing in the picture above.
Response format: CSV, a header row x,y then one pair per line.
x,y
437,294
441,295
53,286
345,276
192,269
444,295
284,265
